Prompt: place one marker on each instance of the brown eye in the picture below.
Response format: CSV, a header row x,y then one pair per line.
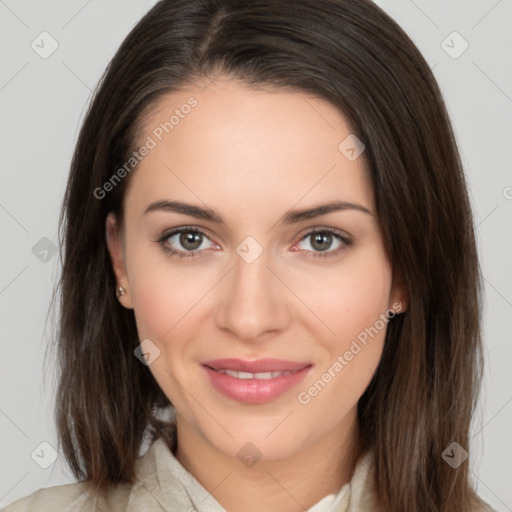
x,y
191,240
321,241
186,243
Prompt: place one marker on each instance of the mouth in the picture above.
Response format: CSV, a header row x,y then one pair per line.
x,y
249,375
257,381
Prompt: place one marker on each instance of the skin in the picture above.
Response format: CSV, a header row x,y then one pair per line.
x,y
252,156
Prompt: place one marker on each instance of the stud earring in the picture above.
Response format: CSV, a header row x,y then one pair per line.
x,y
120,291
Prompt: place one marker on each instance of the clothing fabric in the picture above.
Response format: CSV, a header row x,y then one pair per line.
x,y
163,484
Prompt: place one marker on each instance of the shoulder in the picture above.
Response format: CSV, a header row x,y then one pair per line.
x,y
83,497
480,505
363,489
74,497
60,498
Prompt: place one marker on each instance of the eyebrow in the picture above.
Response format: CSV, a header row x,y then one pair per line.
x,y
291,217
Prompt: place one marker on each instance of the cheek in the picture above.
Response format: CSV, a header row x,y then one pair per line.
x,y
347,299
164,293
162,300
353,303
166,299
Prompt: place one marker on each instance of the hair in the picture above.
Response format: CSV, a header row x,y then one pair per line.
x,y
353,55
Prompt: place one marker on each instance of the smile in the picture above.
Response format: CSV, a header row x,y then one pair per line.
x,y
254,382
249,375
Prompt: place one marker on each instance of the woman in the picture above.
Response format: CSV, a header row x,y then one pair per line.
x,y
270,273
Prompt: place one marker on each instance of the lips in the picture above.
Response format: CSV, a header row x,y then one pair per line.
x,y
255,381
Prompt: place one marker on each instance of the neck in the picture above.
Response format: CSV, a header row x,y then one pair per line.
x,y
290,484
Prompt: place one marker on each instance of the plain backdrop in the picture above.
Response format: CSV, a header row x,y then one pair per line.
x,y
468,44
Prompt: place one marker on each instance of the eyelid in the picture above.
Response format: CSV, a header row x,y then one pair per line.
x,y
343,237
196,229
187,229
325,229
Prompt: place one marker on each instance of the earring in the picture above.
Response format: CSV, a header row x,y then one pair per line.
x,y
120,291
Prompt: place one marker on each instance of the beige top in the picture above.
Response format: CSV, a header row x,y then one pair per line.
x,y
163,484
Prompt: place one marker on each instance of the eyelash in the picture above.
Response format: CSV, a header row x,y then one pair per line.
x,y
346,242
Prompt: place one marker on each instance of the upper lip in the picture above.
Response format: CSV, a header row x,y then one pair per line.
x,y
255,366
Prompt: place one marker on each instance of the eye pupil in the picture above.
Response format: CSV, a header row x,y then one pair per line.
x,y
321,241
190,240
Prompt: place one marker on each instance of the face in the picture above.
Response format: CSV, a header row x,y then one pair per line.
x,y
265,323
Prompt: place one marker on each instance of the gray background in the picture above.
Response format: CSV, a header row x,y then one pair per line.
x,y
43,101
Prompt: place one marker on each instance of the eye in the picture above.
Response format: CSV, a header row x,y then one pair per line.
x,y
190,242
323,242
185,242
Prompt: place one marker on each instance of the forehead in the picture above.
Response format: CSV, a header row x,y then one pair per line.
x,y
232,145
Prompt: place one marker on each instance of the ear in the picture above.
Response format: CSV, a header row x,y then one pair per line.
x,y
116,249
399,296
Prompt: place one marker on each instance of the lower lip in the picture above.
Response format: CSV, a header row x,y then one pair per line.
x,y
254,391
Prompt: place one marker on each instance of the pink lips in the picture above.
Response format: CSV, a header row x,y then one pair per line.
x,y
272,378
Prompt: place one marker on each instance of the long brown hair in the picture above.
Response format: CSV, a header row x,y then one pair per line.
x,y
350,53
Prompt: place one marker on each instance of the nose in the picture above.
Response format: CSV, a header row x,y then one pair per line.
x,y
253,305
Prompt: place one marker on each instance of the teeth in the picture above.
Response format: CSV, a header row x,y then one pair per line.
x,y
245,375
249,375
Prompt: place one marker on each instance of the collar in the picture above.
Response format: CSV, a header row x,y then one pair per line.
x,y
166,485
